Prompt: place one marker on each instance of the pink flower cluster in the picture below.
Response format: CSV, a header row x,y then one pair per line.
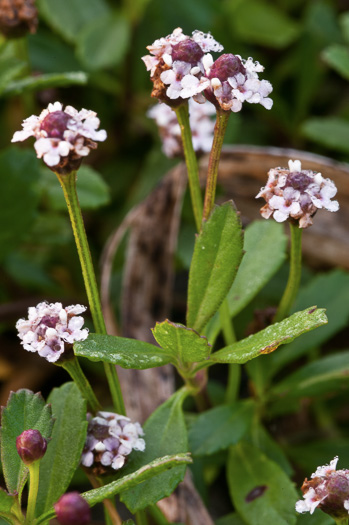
x,y
110,439
297,194
50,328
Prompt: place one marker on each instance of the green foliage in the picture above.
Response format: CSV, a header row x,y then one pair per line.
x,y
64,450
217,255
220,427
272,337
331,132
165,433
24,411
128,353
17,87
6,502
260,490
337,57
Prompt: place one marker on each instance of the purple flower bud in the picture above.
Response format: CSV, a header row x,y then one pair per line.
x,y
31,446
226,66
55,124
187,51
72,509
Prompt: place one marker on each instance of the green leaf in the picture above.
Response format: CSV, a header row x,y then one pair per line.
x,y
43,46
6,501
318,518
331,132
311,454
19,173
262,23
24,411
50,80
260,490
128,353
344,23
329,374
93,192
68,17
332,290
64,450
272,337
10,68
220,427
182,343
104,42
156,467
217,255
265,250
337,57
230,519
165,433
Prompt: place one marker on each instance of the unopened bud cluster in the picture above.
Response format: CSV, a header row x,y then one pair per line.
x,y
110,439
50,329
72,509
31,446
297,194
328,490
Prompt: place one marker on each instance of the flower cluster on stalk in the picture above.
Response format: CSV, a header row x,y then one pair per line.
x,y
110,439
51,329
297,194
63,137
328,490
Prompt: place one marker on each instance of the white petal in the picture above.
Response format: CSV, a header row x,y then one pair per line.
x,y
294,165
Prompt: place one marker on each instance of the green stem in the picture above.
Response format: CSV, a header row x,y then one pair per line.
x,y
68,183
294,276
72,366
191,163
234,370
212,173
33,490
141,518
157,515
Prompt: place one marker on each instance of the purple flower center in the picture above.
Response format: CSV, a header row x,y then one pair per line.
x,y
50,321
299,181
187,51
226,66
55,124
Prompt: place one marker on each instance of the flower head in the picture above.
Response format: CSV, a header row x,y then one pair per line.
x,y
297,194
72,509
201,125
50,329
234,81
31,446
110,439
18,17
176,65
63,137
328,489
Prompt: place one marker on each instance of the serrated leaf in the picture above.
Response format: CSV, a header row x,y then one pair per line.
x,y
265,250
272,337
216,258
260,490
64,450
104,42
50,80
184,344
24,411
337,57
68,17
165,433
328,374
128,353
331,132
220,427
92,191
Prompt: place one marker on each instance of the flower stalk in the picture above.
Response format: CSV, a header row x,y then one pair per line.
x,y
294,276
34,469
68,183
191,162
234,370
72,366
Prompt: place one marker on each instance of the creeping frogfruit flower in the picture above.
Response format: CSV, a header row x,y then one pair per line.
x,y
51,329
297,194
328,490
31,446
110,439
63,137
72,509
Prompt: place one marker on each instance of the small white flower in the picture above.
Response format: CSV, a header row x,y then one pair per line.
x,y
50,327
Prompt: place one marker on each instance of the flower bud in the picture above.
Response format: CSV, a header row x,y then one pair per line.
x,y
31,446
18,17
72,509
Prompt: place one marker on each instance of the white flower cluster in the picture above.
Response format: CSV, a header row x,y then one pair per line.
x,y
50,327
234,80
297,194
177,62
110,439
328,489
202,127
62,135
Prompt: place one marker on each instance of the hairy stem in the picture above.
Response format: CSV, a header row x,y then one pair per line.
x,y
72,366
33,490
234,370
